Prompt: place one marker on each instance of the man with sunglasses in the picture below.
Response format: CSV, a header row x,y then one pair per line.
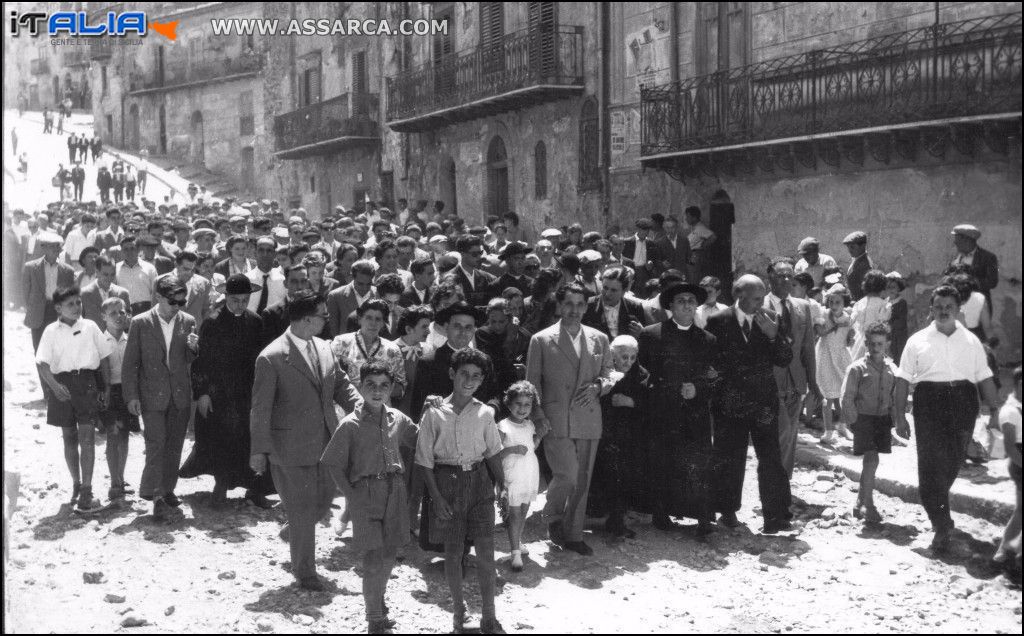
x,y
162,343
476,283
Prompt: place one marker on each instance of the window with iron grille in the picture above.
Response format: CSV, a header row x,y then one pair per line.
x,y
590,173
359,83
540,171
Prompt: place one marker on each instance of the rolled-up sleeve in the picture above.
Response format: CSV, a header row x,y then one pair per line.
x,y
425,441
492,439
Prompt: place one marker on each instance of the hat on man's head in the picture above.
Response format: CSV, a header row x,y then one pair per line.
x,y
203,223
280,232
461,308
551,233
438,238
177,226
148,240
49,238
514,248
589,256
644,224
238,284
838,289
669,294
204,231
967,230
857,237
478,230
807,244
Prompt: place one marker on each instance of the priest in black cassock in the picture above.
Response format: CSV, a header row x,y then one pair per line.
x,y
679,356
222,378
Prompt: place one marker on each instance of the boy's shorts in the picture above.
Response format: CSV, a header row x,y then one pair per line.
x,y
872,433
117,411
82,408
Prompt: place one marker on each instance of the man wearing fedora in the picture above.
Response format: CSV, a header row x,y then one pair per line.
x,y
222,378
857,244
981,263
514,256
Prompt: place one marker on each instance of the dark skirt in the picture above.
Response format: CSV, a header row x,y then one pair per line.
x,y
222,448
117,411
620,468
471,496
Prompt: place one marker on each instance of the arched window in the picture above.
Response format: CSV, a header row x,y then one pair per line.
x,y
540,171
590,174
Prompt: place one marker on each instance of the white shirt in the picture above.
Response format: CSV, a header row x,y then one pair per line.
x,y
303,347
640,255
611,317
817,271
75,243
697,234
743,317
700,318
681,327
972,310
72,347
116,354
168,329
577,340
1010,414
138,280
276,290
931,356
50,273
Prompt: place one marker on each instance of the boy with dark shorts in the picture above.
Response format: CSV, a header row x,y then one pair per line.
x,y
868,398
365,460
118,422
73,362
455,440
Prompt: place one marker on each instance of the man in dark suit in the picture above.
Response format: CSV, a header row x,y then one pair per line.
x,y
981,263
111,236
514,255
298,382
149,245
460,321
749,346
95,293
422,288
40,278
476,283
639,253
341,302
611,312
857,244
78,180
162,343
389,289
673,249
275,318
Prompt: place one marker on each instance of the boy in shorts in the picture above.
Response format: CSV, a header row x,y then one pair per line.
x,y
455,440
115,417
365,461
867,403
73,362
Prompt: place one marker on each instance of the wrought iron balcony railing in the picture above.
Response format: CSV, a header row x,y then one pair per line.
x,y
962,69
39,66
330,122
100,49
75,56
196,72
530,58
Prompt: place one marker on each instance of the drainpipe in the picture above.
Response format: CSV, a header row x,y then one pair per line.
x,y
606,137
673,51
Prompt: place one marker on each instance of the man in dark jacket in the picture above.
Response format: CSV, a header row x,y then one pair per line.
x,y
611,312
981,263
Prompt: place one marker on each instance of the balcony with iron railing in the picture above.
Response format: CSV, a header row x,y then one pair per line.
x,y
525,68
956,74
204,71
39,66
100,49
323,128
72,56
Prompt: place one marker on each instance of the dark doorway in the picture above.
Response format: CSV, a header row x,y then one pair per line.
x,y
497,178
720,219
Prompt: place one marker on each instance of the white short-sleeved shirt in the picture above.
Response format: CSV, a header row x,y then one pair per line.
x,y
117,348
931,356
1010,414
74,347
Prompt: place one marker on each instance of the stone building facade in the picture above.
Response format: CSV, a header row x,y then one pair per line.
x,y
41,72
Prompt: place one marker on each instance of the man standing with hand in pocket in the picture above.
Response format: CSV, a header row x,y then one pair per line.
x,y
162,343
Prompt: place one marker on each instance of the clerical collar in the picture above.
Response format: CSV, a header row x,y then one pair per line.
x,y
681,327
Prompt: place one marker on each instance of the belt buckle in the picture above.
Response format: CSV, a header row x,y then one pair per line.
x,y
466,468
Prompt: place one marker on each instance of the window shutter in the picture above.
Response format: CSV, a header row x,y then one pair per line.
x,y
492,32
542,22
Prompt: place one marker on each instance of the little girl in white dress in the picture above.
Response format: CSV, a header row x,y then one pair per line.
x,y
519,460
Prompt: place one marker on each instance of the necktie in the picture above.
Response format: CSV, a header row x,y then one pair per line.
x,y
786,324
746,328
263,295
314,360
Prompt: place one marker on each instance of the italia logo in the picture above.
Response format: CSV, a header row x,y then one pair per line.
x,y
76,24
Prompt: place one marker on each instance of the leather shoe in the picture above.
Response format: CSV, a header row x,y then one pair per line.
x,y
772,526
940,543
729,520
491,626
313,583
704,528
160,509
172,500
259,501
378,627
555,533
579,548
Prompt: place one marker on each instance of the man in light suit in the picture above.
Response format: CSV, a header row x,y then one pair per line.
x,y
570,365
197,296
344,300
798,376
101,289
40,278
297,383
162,343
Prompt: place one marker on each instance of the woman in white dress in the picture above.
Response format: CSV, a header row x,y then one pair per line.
x,y
869,309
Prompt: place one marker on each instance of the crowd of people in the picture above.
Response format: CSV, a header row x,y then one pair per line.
x,y
431,370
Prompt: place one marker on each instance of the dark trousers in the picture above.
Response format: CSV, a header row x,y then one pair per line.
x,y
944,418
164,434
49,316
78,191
730,462
306,492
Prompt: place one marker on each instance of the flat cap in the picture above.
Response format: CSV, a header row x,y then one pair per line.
x,y
967,230
204,231
513,249
855,237
49,238
551,233
808,243
589,256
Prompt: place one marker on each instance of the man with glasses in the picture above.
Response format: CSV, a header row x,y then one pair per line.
x,y
291,422
162,343
476,284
